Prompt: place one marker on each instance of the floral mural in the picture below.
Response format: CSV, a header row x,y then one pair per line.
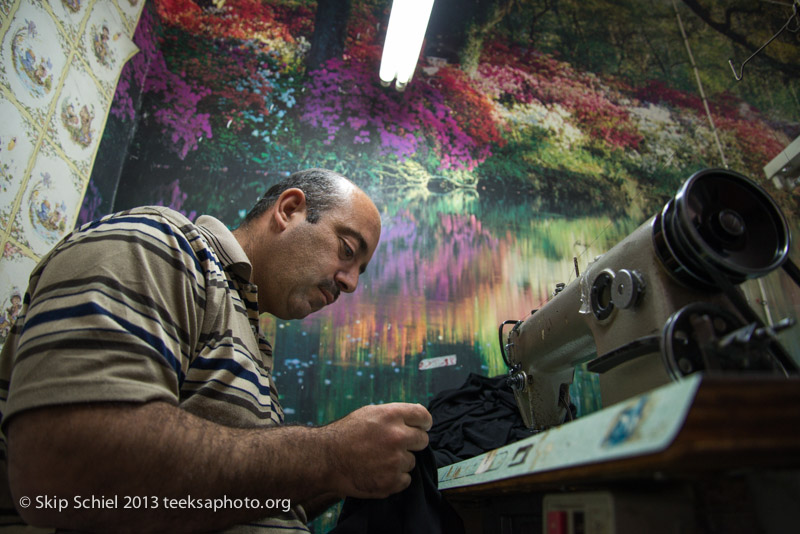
x,y
528,141
492,181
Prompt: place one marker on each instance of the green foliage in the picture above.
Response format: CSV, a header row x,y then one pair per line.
x,y
572,181
597,109
361,165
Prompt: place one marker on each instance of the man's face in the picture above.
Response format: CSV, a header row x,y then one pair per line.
x,y
317,262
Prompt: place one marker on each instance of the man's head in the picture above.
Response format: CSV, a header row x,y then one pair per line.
x,y
323,189
309,238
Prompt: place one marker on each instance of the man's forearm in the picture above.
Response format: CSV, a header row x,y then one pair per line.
x,y
160,452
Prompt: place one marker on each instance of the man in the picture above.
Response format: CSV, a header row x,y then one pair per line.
x,y
136,372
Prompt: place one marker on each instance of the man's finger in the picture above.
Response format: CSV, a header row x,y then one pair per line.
x,y
417,416
412,462
418,441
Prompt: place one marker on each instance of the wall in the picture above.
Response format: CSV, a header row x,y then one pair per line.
x,y
577,125
59,69
564,139
489,184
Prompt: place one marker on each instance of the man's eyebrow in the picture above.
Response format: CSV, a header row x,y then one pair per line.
x,y
362,243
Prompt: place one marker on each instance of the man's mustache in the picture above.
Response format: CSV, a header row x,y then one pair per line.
x,y
331,287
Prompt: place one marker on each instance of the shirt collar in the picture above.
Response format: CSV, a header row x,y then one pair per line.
x,y
228,250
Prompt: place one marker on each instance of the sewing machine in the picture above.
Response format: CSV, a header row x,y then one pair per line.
x,y
660,305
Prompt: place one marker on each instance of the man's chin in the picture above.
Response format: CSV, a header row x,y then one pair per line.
x,y
300,309
294,314
308,310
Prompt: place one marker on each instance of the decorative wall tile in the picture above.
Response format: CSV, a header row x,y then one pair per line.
x,y
17,144
106,45
15,267
59,65
131,11
76,178
49,204
33,59
70,14
77,122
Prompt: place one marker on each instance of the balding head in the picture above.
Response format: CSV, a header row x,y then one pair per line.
x,y
324,189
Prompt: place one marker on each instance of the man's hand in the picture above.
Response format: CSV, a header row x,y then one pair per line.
x,y
370,450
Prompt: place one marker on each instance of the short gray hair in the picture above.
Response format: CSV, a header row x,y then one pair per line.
x,y
322,188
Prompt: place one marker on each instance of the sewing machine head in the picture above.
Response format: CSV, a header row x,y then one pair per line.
x,y
661,304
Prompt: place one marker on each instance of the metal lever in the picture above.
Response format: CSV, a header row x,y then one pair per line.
x,y
752,334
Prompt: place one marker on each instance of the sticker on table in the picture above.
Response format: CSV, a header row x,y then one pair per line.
x,y
626,424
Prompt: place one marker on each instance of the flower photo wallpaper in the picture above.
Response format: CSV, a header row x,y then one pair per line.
x,y
534,135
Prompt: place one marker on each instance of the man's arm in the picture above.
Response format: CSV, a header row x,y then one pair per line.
x,y
158,450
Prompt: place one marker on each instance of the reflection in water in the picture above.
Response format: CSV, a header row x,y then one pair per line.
x,y
449,269
447,272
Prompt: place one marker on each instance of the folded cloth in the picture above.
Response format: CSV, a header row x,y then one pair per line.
x,y
419,509
480,416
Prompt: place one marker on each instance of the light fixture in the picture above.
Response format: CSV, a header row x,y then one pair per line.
x,y
407,24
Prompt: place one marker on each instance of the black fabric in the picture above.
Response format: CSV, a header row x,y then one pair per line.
x,y
480,416
419,509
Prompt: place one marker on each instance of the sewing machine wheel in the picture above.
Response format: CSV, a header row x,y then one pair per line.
x,y
688,341
720,221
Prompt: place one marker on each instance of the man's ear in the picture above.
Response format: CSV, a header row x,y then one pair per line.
x,y
290,205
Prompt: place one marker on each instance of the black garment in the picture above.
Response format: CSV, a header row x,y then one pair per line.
x,y
419,509
480,416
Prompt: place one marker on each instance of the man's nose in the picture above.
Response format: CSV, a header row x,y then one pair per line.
x,y
347,280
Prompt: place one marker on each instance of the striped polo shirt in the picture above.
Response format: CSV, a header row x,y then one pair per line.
x,y
139,306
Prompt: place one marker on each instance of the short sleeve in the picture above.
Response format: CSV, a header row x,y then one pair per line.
x,y
110,315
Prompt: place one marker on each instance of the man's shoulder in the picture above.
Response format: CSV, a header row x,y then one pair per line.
x,y
153,221
147,229
169,215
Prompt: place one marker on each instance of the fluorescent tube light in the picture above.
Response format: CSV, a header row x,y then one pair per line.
x,y
407,24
